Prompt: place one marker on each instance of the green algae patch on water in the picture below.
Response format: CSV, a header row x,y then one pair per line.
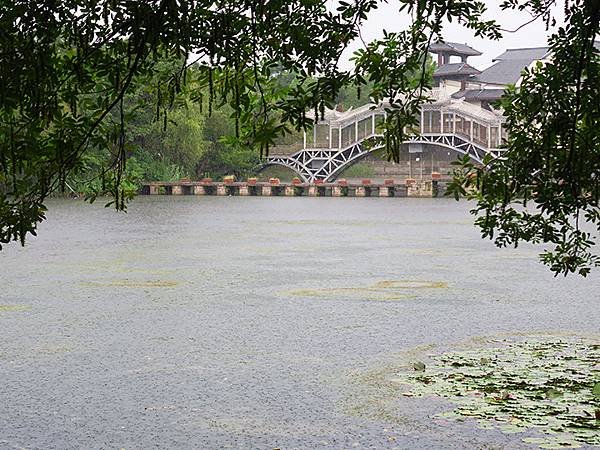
x,y
139,284
50,350
388,290
14,308
350,294
546,388
410,284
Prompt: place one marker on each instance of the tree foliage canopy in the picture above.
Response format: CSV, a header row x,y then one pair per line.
x,y
546,187
66,68
69,71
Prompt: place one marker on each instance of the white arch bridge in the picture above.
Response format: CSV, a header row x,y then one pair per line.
x,y
342,138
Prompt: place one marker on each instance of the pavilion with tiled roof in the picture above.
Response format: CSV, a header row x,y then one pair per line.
x,y
445,50
448,72
464,82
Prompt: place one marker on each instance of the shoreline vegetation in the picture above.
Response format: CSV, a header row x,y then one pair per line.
x,y
190,142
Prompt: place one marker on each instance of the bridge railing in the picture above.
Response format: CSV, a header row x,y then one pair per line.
x,y
286,149
452,120
326,136
470,122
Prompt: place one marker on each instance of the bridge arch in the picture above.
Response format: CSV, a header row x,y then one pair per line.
x,y
294,166
341,139
338,162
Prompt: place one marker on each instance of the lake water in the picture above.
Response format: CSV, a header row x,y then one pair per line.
x,y
257,322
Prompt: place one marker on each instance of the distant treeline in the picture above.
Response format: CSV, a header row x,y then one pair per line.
x,y
185,140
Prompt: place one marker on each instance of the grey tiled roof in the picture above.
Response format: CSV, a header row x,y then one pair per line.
x,y
455,69
509,65
453,48
530,54
503,72
507,68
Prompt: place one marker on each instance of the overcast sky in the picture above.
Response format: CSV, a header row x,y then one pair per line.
x,y
533,35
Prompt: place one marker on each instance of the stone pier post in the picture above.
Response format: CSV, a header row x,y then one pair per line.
x,y
221,189
199,190
313,191
427,189
384,191
290,191
154,189
176,190
266,191
421,189
361,191
244,192
336,191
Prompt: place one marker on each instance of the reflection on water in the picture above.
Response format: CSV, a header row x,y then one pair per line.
x,y
244,322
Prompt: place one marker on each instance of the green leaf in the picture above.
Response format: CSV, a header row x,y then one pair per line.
x,y
596,391
419,366
553,393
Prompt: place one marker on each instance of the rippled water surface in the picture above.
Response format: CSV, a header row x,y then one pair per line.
x,y
256,322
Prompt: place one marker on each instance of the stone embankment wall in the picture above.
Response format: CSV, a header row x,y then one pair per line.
x,y
411,165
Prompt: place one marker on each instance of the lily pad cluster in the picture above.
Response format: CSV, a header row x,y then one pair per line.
x,y
546,388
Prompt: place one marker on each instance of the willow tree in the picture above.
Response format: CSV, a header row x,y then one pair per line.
x,y
66,66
